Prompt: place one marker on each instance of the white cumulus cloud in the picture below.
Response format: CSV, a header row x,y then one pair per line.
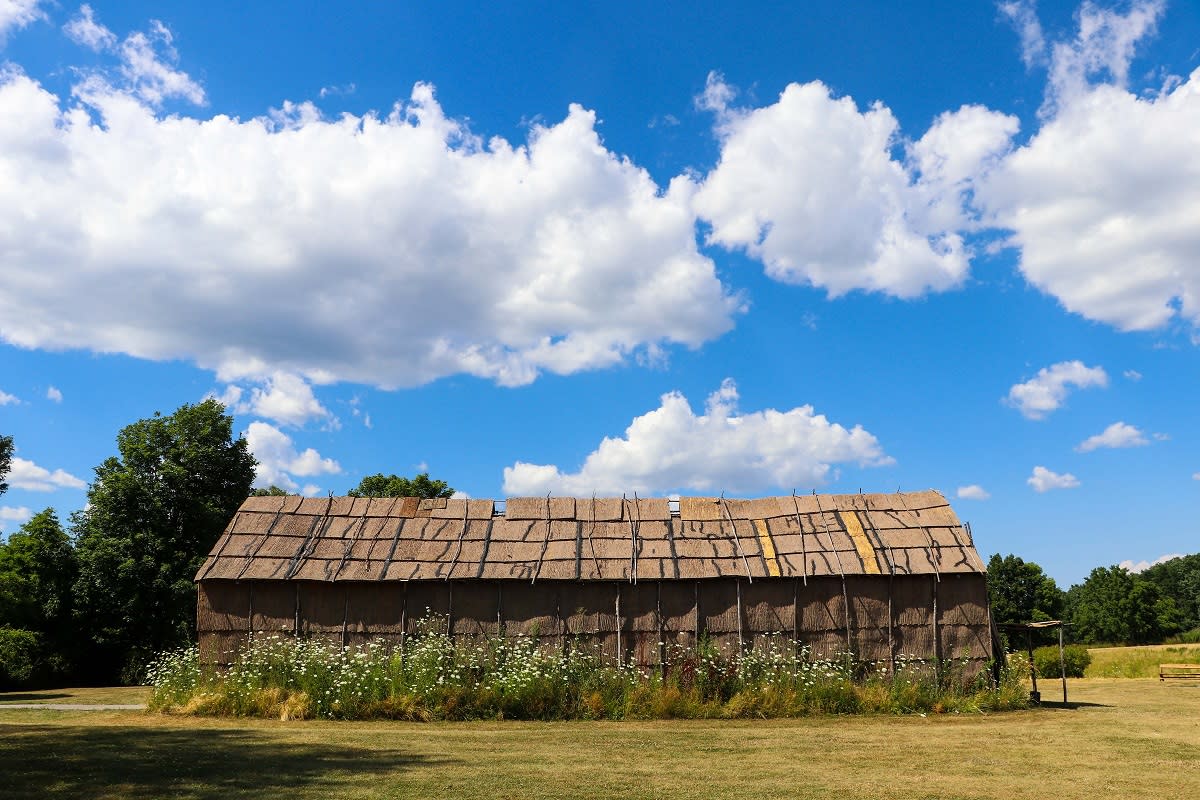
x,y
1043,480
85,30
16,14
7,399
25,474
1046,391
1119,434
388,250
54,394
973,492
673,448
1102,201
282,397
809,186
1022,14
14,514
279,460
1142,566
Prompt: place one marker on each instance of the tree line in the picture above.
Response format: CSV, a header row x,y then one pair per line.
x,y
1111,606
93,600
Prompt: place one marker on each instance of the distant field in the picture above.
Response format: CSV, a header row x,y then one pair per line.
x,y
1139,662
1129,738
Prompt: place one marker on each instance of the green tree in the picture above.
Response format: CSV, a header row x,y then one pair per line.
x,y
1114,605
381,485
6,448
1019,591
37,571
153,515
1179,580
270,491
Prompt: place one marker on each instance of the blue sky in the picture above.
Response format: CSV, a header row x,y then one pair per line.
x,y
684,248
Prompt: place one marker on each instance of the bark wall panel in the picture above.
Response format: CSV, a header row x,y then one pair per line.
x,y
376,609
274,606
223,606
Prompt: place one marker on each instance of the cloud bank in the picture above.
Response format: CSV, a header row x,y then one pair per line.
x,y
673,448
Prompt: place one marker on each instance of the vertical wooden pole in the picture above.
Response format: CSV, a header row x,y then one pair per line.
x,y
297,624
891,629
741,639
795,614
1062,663
1035,695
403,620
345,615
937,635
499,609
662,643
450,609
696,611
620,652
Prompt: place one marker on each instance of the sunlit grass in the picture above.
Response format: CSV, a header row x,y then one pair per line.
x,y
1139,662
1133,739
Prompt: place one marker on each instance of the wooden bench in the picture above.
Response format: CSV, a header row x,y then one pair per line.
x,y
1178,671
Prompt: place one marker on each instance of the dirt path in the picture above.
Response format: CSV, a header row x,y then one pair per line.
x,y
78,706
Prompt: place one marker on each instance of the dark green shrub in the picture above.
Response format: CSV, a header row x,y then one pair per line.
x,y
20,654
1187,637
1075,660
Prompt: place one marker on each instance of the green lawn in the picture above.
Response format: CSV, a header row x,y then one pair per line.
x,y
1129,738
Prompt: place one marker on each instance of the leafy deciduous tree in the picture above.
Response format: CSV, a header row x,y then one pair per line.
x,y
1019,591
270,491
153,514
1114,605
381,485
6,448
37,570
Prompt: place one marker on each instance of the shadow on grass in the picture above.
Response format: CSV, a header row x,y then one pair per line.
x,y
1071,704
50,761
30,697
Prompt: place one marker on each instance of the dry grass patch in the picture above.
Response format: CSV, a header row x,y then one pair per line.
x,y
1128,738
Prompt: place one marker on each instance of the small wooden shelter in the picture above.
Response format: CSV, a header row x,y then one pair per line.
x,y
878,575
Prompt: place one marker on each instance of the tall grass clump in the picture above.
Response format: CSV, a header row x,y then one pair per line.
x,y
437,677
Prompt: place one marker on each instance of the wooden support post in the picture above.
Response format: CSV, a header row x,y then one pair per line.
x,y
795,614
937,635
741,639
297,623
696,610
662,642
620,652
250,614
345,614
1035,695
499,609
450,609
403,620
1062,663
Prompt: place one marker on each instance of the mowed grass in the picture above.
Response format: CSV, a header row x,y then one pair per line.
x,y
98,695
1139,662
1127,738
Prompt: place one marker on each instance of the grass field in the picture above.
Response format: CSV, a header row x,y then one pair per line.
x,y
1134,738
1139,662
